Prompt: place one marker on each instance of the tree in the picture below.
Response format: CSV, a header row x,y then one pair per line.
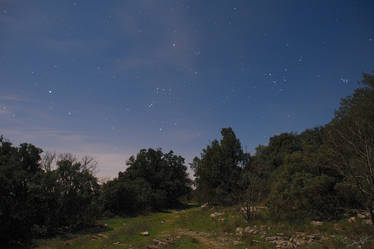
x,y
78,190
47,160
153,180
218,170
351,139
250,194
301,191
20,178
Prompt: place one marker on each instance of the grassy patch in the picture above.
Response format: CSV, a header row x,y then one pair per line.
x,y
186,243
125,232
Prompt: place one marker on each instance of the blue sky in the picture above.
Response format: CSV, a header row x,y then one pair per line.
x,y
107,78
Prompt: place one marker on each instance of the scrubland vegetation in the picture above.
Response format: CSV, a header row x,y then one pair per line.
x,y
309,190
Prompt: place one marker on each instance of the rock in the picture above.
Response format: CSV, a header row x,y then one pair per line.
x,y
225,239
361,216
272,238
117,243
239,231
316,223
204,205
236,243
144,233
159,242
368,222
337,227
94,237
103,236
152,247
216,214
352,220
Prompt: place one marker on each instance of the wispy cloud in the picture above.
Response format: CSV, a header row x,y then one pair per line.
x,y
15,98
184,136
4,111
22,17
174,45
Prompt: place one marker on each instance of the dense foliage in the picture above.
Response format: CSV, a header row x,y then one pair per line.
x,y
154,180
38,202
317,174
351,139
20,178
218,171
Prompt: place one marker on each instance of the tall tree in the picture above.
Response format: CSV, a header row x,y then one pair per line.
x,y
351,136
218,170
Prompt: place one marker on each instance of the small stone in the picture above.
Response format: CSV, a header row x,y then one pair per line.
x,y
368,222
361,216
272,238
235,242
144,233
204,205
352,220
102,236
216,214
316,223
239,230
152,247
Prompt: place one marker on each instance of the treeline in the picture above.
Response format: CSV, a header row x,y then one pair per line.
x,y
317,174
49,195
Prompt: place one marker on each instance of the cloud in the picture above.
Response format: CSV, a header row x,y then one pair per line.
x,y
14,98
158,36
22,18
184,136
4,111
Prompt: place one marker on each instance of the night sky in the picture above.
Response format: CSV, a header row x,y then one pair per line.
x,y
107,78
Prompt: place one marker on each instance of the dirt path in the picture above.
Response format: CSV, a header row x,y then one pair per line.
x,y
202,238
